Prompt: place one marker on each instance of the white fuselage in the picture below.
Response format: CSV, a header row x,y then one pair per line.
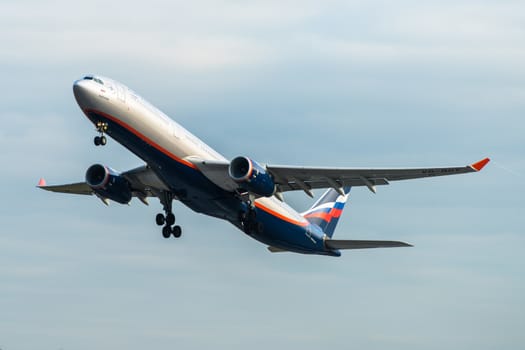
x,y
139,117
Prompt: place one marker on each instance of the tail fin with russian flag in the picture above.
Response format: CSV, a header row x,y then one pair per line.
x,y
326,211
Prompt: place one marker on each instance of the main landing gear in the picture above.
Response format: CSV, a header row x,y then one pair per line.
x,y
168,220
101,128
249,222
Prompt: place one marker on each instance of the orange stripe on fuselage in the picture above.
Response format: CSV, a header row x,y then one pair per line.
x,y
280,216
144,138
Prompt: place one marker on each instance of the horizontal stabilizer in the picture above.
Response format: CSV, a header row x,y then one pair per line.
x,y
358,244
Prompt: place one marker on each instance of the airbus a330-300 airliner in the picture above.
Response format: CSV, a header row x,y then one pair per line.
x,y
179,166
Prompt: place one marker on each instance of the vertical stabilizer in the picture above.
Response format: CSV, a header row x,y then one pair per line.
x,y
326,211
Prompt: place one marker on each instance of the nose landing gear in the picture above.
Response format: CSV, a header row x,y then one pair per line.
x,y
168,220
101,128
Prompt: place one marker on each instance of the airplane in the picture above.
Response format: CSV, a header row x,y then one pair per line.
x,y
179,166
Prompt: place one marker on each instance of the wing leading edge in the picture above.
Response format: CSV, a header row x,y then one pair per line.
x,y
293,178
290,178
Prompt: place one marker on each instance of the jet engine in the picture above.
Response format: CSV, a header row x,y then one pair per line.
x,y
251,176
108,183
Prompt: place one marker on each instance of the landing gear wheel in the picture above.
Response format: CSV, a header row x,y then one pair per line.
x,y
177,231
170,219
166,232
101,139
160,220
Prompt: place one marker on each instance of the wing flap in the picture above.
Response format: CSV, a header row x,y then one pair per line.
x,y
361,244
144,181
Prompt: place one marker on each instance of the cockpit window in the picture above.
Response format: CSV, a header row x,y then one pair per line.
x,y
90,77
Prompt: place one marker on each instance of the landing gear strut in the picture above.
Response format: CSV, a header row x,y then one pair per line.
x,y
249,222
168,220
101,128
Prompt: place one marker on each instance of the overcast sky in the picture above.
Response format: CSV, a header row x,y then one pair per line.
x,y
331,83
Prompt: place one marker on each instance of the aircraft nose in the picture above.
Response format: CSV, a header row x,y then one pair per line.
x,y
79,87
81,90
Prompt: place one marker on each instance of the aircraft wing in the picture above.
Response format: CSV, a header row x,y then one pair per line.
x,y
74,188
290,178
144,183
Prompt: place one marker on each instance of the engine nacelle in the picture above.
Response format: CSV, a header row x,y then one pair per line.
x,y
252,176
108,183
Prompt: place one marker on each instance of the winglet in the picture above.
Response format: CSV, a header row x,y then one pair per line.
x,y
479,165
42,182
